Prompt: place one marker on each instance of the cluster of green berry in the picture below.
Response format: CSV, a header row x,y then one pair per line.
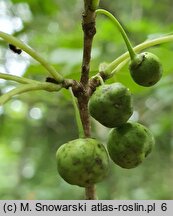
x,y
128,142
85,161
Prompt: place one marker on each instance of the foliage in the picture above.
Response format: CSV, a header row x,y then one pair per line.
x,y
34,125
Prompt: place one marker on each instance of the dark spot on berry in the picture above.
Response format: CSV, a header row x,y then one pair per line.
x,y
76,162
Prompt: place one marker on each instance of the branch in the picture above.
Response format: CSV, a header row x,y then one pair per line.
x,y
16,42
88,26
29,87
18,79
90,192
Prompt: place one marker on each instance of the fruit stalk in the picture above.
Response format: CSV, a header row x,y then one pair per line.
x,y
29,87
120,28
77,115
22,80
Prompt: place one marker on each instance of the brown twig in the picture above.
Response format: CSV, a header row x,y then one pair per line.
x,y
88,26
90,192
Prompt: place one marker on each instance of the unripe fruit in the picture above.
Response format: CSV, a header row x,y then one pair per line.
x,y
129,144
82,161
111,105
146,69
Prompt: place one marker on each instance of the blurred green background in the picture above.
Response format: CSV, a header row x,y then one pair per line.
x,y
34,125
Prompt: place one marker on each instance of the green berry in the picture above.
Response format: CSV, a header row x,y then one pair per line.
x,y
146,69
82,161
111,105
129,144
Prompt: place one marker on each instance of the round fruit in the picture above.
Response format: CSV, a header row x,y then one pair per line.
x,y
146,69
111,105
129,144
82,161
